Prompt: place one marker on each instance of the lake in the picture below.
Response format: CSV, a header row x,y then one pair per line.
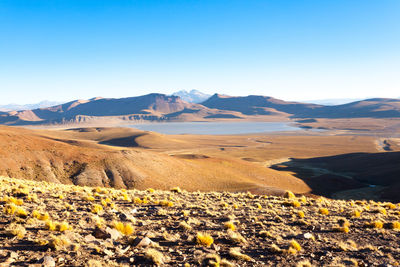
x,y
214,128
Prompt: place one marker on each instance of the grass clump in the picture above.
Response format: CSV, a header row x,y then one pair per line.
x,y
40,216
230,225
323,211
185,226
15,230
96,209
237,254
342,229
154,256
176,190
375,224
235,237
289,194
166,203
58,242
204,239
125,229
392,225
301,214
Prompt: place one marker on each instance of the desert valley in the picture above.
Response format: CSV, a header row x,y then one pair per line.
x,y
94,171
199,133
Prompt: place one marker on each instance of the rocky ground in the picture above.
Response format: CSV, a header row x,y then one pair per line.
x,y
61,225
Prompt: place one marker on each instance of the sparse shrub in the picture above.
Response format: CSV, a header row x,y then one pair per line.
x,y
58,242
275,249
235,237
184,225
374,224
166,203
204,239
343,229
300,214
236,254
264,233
295,245
323,211
186,213
390,205
89,198
40,216
49,225
343,222
355,213
63,226
10,209
155,256
96,209
295,204
211,260
304,263
289,194
230,225
126,229
15,230
392,225
176,190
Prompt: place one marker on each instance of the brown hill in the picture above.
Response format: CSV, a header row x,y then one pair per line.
x,y
257,105
263,105
372,108
87,157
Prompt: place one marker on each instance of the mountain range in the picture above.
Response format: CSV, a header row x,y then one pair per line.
x,y
160,107
42,104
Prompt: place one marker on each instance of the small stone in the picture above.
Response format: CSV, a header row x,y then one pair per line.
x,y
101,233
90,238
114,233
308,236
48,261
108,252
13,255
123,251
142,242
133,211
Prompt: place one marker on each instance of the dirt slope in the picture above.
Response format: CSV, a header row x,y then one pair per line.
x,y
58,157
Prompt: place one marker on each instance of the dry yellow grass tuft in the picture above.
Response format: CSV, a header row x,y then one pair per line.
x,y
125,229
96,209
236,254
323,211
15,230
289,194
154,256
204,239
230,225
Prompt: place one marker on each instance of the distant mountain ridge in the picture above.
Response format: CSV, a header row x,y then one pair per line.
x,y
160,107
42,104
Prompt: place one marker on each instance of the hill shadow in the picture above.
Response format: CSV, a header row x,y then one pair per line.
x,y
330,176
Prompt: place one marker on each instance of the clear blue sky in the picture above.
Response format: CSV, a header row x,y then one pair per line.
x,y
295,50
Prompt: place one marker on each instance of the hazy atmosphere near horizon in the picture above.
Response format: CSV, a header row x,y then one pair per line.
x,y
293,50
